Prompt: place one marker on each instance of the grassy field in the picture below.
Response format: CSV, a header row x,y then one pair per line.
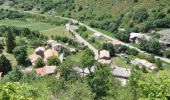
x,y
59,31
76,57
121,62
38,26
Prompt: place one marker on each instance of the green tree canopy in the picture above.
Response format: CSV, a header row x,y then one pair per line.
x,y
20,53
5,65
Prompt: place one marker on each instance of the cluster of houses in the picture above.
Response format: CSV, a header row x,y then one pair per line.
x,y
53,48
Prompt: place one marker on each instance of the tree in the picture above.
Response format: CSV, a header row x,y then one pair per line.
x,y
159,63
123,36
17,91
5,65
109,47
20,53
10,44
78,91
86,61
132,51
154,46
133,82
167,53
66,70
101,81
53,61
15,75
152,88
39,63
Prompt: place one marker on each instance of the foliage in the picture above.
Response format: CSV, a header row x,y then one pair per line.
x,y
20,53
154,88
53,61
140,16
101,81
5,65
15,75
10,43
78,91
123,36
109,47
17,91
132,51
167,53
66,70
159,63
39,63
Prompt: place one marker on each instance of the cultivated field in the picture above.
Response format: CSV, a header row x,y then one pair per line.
x,y
38,26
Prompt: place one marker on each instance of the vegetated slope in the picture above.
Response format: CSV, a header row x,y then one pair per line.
x,y
139,15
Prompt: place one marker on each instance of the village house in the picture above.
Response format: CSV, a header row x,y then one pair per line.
x,y
40,51
145,63
49,53
47,70
56,46
135,37
104,54
104,57
122,74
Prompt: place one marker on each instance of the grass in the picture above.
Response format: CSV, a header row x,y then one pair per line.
x,y
76,57
59,31
106,32
10,57
38,26
121,62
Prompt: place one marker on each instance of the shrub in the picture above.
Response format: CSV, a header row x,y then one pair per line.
x,y
132,51
39,63
53,61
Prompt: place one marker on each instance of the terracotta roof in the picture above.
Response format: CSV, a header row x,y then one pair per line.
x,y
48,53
104,53
40,71
116,42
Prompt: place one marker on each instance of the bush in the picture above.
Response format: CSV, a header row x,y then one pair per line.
x,y
132,51
53,61
39,63
167,53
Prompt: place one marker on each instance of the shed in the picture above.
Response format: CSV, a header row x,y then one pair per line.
x,y
104,54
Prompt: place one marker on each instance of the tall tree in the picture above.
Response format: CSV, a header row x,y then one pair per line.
x,y
20,53
5,65
10,43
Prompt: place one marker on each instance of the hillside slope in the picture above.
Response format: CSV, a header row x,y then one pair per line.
x,y
108,15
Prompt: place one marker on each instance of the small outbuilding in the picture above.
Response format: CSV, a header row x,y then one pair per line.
x,y
104,54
